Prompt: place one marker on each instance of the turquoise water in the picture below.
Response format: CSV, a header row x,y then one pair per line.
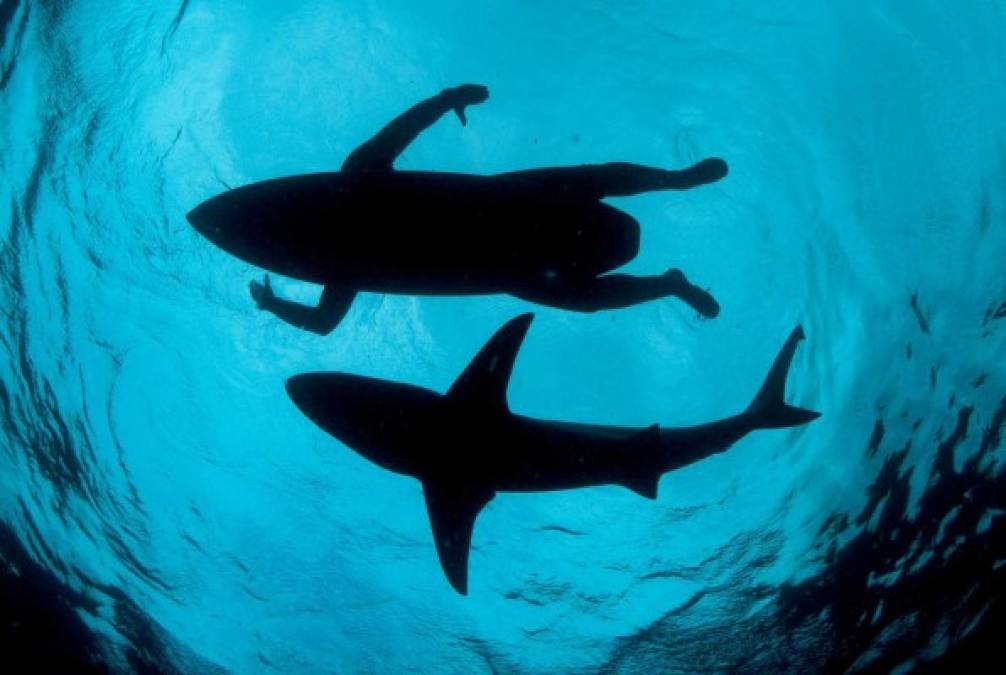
x,y
155,471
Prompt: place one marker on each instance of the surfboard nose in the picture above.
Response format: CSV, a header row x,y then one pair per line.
x,y
207,219
260,229
231,222
308,391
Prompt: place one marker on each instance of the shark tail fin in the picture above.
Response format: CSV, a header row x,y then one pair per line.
x,y
769,410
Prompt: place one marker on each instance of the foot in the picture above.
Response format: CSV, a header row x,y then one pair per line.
x,y
708,171
698,299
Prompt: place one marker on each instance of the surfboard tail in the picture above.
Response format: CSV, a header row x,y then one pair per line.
x,y
769,410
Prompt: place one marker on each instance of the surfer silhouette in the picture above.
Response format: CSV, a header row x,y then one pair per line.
x,y
543,235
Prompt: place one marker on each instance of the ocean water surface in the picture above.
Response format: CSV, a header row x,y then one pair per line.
x,y
166,508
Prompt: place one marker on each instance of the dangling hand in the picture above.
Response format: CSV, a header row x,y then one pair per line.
x,y
464,96
261,292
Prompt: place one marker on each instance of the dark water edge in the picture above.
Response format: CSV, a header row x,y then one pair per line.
x,y
42,629
40,623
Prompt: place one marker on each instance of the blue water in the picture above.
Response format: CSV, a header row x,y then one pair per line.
x,y
155,474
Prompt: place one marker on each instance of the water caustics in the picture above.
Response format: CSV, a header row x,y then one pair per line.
x,y
167,507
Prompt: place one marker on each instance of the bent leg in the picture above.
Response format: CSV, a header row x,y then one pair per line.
x,y
621,179
332,307
615,291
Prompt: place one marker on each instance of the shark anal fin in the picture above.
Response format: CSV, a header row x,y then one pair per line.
x,y
643,482
642,485
452,510
483,383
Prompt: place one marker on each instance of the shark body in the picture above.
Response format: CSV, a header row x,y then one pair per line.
x,y
466,445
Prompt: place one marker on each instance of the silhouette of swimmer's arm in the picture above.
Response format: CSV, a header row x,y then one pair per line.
x,y
380,152
332,307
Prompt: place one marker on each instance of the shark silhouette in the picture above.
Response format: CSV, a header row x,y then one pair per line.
x,y
466,445
543,235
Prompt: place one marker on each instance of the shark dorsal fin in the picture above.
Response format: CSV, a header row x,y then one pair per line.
x,y
484,382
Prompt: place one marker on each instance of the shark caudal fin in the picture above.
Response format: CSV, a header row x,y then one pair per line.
x,y
769,409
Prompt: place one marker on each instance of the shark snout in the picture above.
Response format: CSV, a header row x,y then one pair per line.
x,y
337,402
381,420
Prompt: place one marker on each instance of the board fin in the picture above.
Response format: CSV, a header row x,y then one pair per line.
x,y
484,381
452,510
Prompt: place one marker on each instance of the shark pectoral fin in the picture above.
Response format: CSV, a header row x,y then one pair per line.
x,y
452,510
644,482
484,381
